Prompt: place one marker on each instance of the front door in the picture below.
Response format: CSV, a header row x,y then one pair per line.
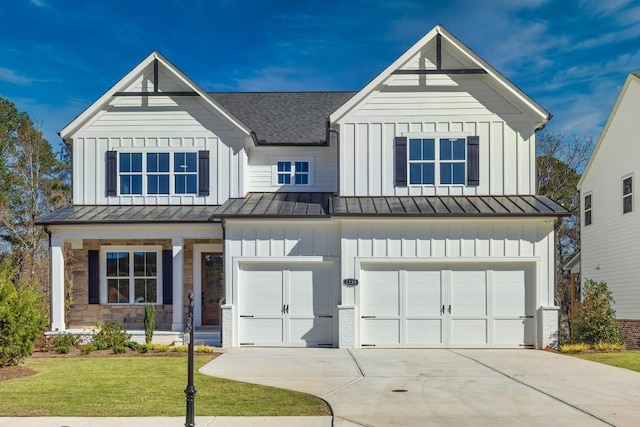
x,y
212,288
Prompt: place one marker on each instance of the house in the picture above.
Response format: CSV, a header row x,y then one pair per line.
x,y
610,222
401,215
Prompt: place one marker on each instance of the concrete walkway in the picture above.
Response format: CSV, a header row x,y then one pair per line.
x,y
445,387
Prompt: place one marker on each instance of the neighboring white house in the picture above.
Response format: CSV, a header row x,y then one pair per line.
x,y
610,221
401,215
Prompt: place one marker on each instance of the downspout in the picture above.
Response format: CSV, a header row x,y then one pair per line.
x,y
329,132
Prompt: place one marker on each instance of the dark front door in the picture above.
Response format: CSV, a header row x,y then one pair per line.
x,y
212,288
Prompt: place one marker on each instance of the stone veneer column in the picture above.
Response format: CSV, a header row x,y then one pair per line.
x,y
56,268
548,333
227,325
178,284
346,326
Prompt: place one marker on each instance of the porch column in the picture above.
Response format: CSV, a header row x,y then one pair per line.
x,y
178,285
56,270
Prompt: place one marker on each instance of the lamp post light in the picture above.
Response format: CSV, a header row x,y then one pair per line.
x,y
190,391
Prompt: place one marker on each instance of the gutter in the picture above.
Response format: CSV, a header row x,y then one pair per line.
x,y
329,132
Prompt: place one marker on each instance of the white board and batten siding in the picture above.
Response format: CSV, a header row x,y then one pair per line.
x,y
438,105
611,244
263,160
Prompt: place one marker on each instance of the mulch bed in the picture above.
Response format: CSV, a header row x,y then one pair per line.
x,y
12,372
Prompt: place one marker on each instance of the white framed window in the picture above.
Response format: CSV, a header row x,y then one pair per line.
x,y
437,160
158,173
131,275
587,209
292,172
627,194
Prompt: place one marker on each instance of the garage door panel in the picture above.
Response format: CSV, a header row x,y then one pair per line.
x,y
509,293
311,331
261,331
380,332
509,332
424,332
423,293
469,293
310,292
262,292
383,294
468,332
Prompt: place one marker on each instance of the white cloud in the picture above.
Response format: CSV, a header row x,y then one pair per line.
x,y
40,3
11,76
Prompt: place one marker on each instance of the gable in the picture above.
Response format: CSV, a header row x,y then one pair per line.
x,y
439,60
156,88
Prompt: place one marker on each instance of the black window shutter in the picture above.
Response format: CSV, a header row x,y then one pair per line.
x,y
203,173
112,173
473,160
400,143
94,277
167,277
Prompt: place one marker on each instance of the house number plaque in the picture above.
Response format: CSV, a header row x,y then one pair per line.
x,y
350,282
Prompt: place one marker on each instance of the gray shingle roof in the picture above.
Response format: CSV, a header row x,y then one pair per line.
x,y
85,214
284,118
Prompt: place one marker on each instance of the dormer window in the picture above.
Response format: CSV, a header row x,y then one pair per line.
x,y
293,172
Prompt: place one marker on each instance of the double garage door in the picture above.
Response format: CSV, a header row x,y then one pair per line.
x,y
288,305
446,306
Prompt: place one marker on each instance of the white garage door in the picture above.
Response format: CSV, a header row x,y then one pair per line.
x,y
446,306
286,305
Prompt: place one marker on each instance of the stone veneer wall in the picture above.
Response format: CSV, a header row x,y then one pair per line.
x,y
83,315
630,333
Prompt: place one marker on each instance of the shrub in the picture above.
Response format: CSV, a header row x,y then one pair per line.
x,y
201,348
88,348
179,348
143,349
66,339
63,349
160,348
574,348
110,335
596,318
22,319
607,346
133,345
119,349
149,322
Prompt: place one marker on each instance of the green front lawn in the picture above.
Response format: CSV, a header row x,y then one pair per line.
x,y
626,359
140,386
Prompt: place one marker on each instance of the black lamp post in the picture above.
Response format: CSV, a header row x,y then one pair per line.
x,y
190,391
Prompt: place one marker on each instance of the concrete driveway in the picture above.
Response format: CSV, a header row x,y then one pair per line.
x,y
445,387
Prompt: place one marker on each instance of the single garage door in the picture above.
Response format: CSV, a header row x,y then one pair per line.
x,y
286,305
444,306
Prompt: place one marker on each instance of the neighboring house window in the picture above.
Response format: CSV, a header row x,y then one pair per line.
x,y
587,209
132,275
186,173
293,172
444,160
152,174
130,173
627,195
157,173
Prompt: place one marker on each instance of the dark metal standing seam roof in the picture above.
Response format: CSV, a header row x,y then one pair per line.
x,y
314,205
284,118
85,214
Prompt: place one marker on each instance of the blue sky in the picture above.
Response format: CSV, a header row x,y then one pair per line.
x,y
58,56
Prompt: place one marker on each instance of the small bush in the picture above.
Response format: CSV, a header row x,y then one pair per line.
x,y
179,348
143,349
596,318
149,322
22,318
201,348
65,339
119,349
607,346
160,348
63,349
88,348
111,335
134,346
574,348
